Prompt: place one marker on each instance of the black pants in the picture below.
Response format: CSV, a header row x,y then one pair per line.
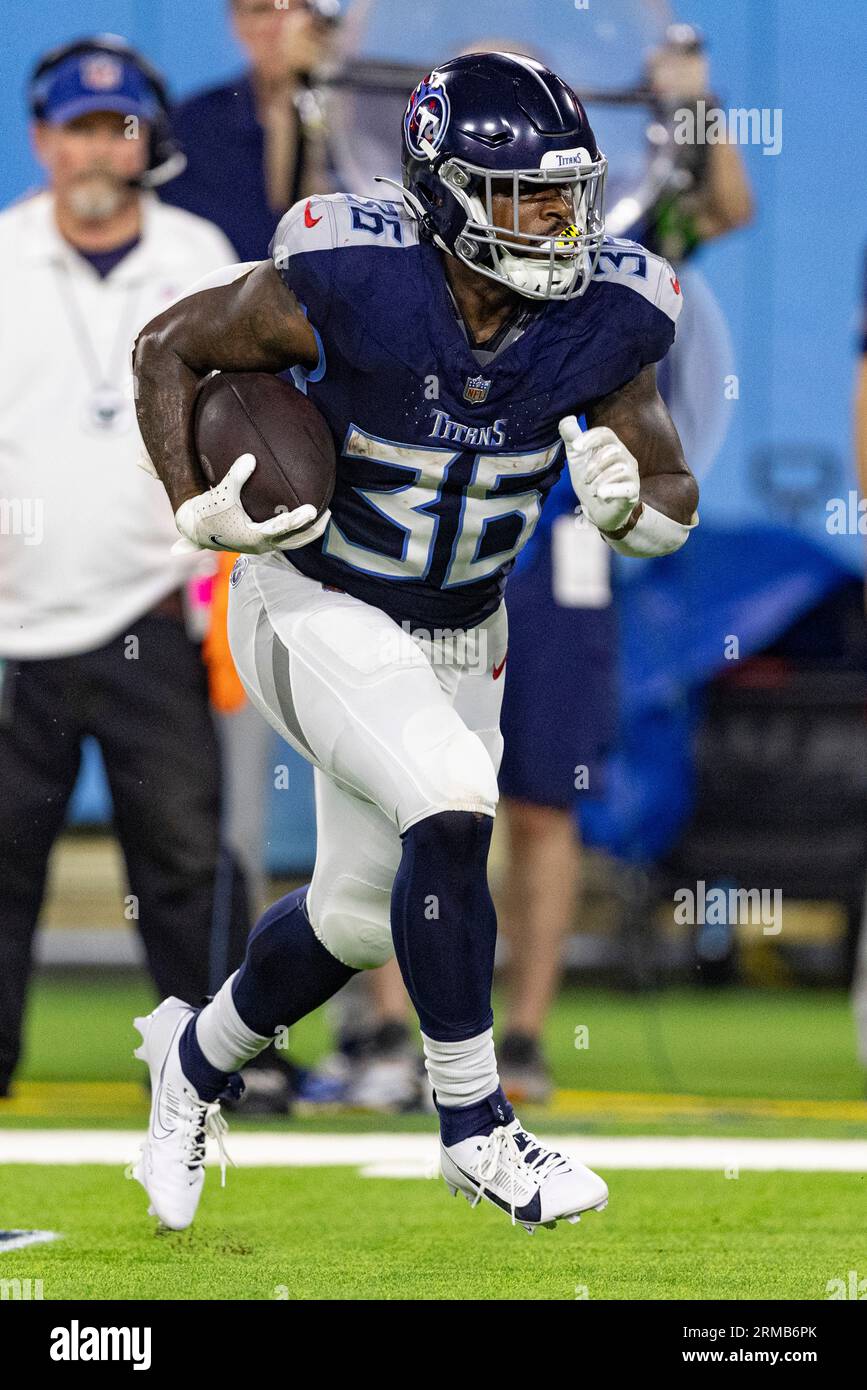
x,y
145,702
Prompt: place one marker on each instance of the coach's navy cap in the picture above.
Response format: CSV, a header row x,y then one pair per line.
x,y
95,81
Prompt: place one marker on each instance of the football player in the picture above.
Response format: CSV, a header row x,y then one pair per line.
x,y
450,340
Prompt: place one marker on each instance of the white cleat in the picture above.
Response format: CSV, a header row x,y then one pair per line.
x,y
515,1172
170,1166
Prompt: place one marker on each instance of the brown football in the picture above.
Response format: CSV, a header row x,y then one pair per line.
x,y
256,413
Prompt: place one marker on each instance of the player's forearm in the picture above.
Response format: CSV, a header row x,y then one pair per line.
x,y
164,390
251,324
171,355
673,494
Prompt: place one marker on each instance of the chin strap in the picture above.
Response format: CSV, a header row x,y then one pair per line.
x,y
523,274
411,202
415,208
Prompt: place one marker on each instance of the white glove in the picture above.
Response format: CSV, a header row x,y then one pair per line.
x,y
216,520
603,472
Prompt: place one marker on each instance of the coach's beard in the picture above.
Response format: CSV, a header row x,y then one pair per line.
x,y
97,197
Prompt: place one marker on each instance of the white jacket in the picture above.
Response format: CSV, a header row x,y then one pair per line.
x,y
85,533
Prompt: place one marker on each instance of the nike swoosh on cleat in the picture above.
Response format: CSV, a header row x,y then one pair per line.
x,y
167,1132
531,1212
309,219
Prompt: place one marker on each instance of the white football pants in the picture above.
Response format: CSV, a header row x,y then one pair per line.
x,y
397,727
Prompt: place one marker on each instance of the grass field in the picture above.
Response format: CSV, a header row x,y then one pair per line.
x,y
778,1065
328,1233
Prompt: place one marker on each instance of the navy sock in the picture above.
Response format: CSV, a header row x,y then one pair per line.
x,y
462,1122
444,925
287,972
208,1080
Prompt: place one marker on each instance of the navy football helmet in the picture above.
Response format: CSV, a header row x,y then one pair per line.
x,y
501,122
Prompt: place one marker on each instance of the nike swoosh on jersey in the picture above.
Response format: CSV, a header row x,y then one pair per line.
x,y
498,670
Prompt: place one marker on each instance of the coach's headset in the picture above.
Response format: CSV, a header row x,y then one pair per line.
x,y
166,159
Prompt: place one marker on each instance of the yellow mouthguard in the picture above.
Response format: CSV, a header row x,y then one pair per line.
x,y
567,239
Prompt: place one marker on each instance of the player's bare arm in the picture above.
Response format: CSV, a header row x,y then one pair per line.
x,y
639,417
253,324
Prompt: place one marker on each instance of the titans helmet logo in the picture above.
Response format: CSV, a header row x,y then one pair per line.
x,y
427,117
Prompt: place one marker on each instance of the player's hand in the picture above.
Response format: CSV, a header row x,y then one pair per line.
x,y
216,520
603,472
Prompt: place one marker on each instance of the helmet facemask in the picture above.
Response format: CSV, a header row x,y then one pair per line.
x,y
553,266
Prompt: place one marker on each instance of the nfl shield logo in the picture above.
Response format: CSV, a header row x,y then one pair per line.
x,y
101,72
476,390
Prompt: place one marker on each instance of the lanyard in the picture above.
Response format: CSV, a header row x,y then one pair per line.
x,y
86,345
106,407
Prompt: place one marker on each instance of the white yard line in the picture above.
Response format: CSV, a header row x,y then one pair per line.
x,y
19,1240
415,1155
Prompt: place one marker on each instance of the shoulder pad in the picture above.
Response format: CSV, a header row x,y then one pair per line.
x,y
623,262
341,220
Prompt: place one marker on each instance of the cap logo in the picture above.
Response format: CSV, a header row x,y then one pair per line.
x,y
101,73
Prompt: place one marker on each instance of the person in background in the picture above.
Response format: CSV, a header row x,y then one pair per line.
x,y
256,145
859,983
93,638
559,727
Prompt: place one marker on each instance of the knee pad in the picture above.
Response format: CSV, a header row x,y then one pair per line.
x,y
353,921
452,768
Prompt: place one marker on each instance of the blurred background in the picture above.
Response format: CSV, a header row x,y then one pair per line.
x,y
727,753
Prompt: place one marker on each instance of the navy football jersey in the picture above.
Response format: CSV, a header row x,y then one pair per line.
x,y
443,465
